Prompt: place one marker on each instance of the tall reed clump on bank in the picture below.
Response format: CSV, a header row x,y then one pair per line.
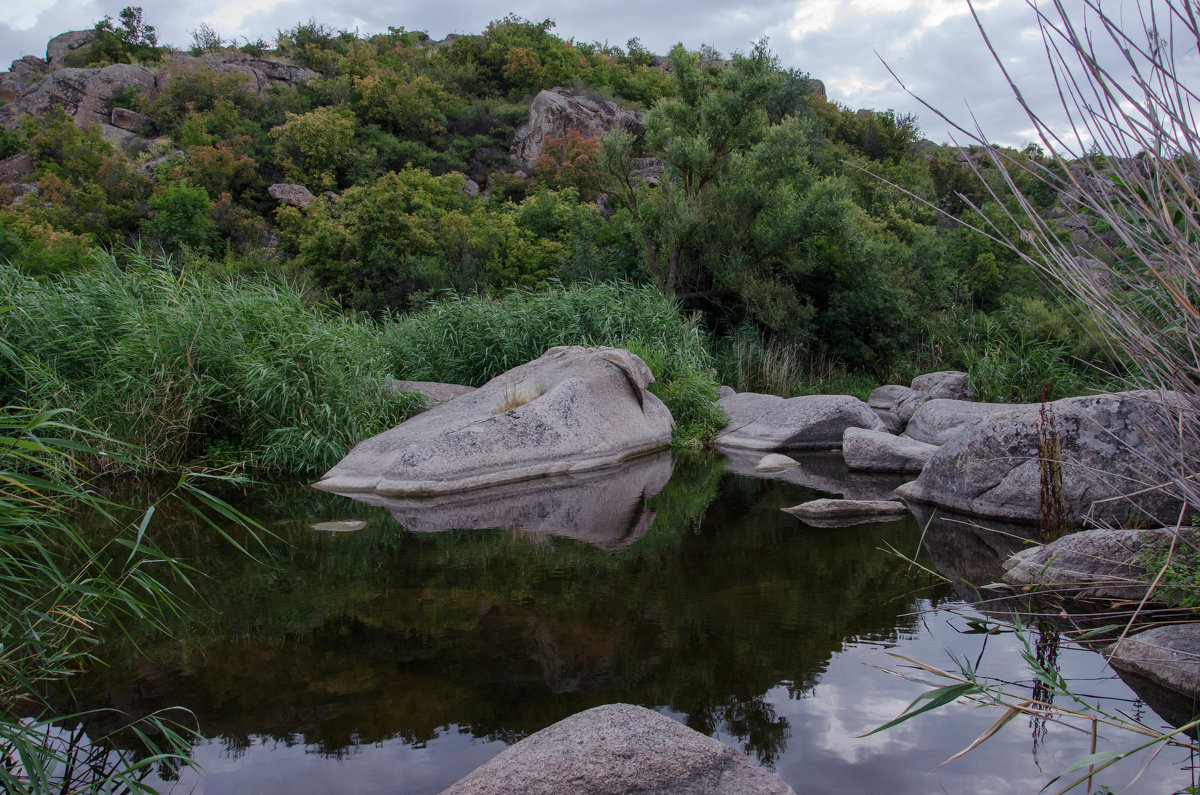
x,y
748,363
59,589
469,340
187,370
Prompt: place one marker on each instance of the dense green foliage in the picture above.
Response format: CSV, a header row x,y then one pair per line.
x,y
182,368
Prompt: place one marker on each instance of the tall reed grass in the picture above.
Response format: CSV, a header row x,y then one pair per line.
x,y
183,369
471,339
748,363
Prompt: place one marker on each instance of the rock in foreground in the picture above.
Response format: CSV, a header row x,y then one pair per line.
x,y
992,469
615,750
811,422
1168,656
571,410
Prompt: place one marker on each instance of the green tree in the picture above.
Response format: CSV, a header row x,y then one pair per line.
x,y
312,147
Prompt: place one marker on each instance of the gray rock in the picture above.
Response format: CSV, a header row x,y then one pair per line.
x,y
555,113
939,420
993,468
846,513
351,526
1168,656
84,93
880,451
884,397
29,68
606,508
434,392
130,120
287,193
648,170
471,188
725,391
1095,563
810,422
949,384
15,169
619,749
571,410
261,73
64,44
118,137
872,485
774,462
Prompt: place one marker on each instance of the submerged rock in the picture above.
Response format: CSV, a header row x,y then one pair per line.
x,y
821,471
774,462
351,526
879,451
605,508
1168,656
810,422
993,468
618,749
571,410
845,513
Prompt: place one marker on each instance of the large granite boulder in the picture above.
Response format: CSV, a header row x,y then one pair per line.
x,y
811,422
290,194
993,468
1096,563
880,451
571,410
555,113
1168,655
619,749
939,420
16,169
84,93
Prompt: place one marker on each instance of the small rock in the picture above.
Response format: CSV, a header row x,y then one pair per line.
x,y
775,462
130,120
65,43
340,527
949,384
884,397
471,188
725,391
811,422
845,513
434,392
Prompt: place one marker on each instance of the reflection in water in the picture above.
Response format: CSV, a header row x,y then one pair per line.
x,y
606,508
414,657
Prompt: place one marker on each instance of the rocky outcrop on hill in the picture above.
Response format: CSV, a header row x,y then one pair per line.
x,y
263,72
993,469
62,45
84,93
557,112
571,410
617,749
810,422
16,169
290,194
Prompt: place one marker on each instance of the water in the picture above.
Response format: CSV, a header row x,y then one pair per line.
x,y
384,660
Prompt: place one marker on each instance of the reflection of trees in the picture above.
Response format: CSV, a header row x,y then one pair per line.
x,y
357,638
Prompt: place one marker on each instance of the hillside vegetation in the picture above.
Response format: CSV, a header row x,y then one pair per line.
x,y
748,201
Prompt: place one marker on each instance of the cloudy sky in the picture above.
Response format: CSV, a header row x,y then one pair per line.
x,y
932,45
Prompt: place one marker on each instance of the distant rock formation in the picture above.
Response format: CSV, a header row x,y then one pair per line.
x,y
557,112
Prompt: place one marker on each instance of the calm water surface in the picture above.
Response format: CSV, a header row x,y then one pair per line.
x,y
395,660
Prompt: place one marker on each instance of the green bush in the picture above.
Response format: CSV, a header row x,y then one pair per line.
x,y
178,367
469,340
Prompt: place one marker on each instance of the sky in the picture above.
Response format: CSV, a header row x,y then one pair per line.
x,y
933,46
